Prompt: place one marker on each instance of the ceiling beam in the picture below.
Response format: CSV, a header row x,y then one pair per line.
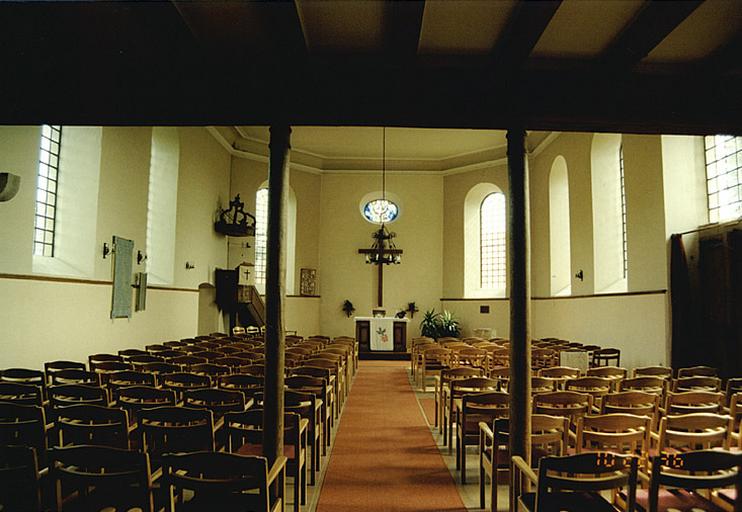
x,y
403,23
651,24
521,33
725,60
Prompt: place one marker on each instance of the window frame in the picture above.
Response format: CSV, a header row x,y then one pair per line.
x,y
47,186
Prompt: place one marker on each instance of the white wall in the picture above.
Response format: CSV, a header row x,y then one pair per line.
x,y
45,319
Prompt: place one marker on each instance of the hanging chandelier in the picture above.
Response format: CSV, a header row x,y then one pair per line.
x,y
383,251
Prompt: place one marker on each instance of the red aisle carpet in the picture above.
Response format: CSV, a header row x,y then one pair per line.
x,y
385,458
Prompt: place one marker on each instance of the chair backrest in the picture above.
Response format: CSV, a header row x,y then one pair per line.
x,y
559,372
543,385
186,361
245,430
24,376
106,368
176,429
22,394
597,471
693,401
77,394
121,477
653,371
698,371
135,398
183,381
126,378
696,383
467,385
484,407
128,353
226,479
631,402
694,431
140,360
23,425
733,387
19,474
609,372
693,470
93,425
75,376
569,404
210,369
595,386
53,366
218,401
645,383
94,359
549,435
618,433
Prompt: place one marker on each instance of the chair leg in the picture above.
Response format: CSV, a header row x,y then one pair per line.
x,y
493,490
462,455
482,482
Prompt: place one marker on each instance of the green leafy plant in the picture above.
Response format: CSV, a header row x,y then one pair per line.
x,y
438,325
429,324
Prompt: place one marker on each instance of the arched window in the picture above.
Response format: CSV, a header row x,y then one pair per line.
x,y
485,252
162,204
492,242
261,238
609,214
559,228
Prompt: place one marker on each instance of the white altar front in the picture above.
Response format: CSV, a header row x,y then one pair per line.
x,y
381,331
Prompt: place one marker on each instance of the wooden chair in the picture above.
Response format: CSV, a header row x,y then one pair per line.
x,y
128,353
549,436
606,357
140,360
77,394
95,359
687,432
430,364
329,379
245,433
126,378
561,374
211,354
24,425
248,385
156,348
24,376
21,394
569,404
97,477
476,408
693,401
173,344
169,354
224,481
597,387
318,387
308,406
187,361
133,399
571,482
210,369
218,401
543,358
93,425
337,382
442,387
106,368
691,471
470,356
696,383
21,480
653,371
632,402
615,433
183,381
502,374
698,371
54,366
174,430
614,373
235,364
75,376
542,385
646,383
457,388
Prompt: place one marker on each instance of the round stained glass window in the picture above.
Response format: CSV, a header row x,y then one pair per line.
x,y
380,211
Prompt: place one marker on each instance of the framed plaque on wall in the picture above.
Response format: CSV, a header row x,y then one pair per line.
x,y
308,284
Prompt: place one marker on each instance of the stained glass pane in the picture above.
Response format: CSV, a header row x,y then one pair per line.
x,y
492,241
380,211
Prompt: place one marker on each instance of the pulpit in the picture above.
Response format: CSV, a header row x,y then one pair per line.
x,y
381,334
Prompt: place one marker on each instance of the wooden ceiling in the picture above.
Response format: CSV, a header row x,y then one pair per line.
x,y
603,65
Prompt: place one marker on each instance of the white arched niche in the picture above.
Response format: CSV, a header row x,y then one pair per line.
x,y
559,231
607,213
290,241
472,242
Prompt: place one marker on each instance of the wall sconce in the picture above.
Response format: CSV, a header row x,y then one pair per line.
x,y
579,275
140,257
9,185
189,265
106,250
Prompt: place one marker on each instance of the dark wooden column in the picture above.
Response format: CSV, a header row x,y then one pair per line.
x,y
275,284
520,296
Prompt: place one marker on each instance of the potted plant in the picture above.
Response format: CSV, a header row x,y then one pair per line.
x,y
429,324
449,326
